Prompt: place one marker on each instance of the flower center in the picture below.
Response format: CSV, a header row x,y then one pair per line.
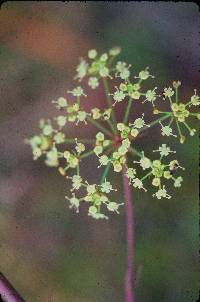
x,y
117,141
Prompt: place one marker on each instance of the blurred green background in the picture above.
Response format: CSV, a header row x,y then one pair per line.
x,y
48,252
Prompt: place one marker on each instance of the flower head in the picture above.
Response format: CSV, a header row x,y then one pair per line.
x,y
115,141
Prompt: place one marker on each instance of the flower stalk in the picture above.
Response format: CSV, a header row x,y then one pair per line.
x,y
114,142
130,237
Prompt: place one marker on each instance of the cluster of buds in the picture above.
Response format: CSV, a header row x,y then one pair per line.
x,y
97,114
115,143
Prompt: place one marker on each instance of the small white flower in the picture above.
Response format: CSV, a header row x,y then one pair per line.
x,y
92,53
122,70
100,136
139,123
104,57
166,130
134,132
162,193
144,74
76,182
150,96
74,202
120,126
93,82
113,206
164,150
37,152
122,150
114,51
174,164
106,187
168,92
81,69
126,143
92,210
91,189
81,117
178,181
104,72
195,99
117,166
137,183
98,150
79,147
98,216
96,113
104,160
47,130
59,138
145,163
52,158
130,173
78,91
156,181
61,120
118,96
61,103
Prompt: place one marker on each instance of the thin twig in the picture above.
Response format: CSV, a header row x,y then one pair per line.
x,y
7,291
99,126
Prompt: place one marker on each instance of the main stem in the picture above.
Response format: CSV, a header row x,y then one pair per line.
x,y
129,281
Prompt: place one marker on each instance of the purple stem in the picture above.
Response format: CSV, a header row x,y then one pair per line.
x,y
130,237
7,291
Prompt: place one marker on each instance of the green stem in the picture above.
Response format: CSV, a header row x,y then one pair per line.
x,y
78,169
194,114
109,101
155,122
100,127
187,126
81,140
171,121
84,155
143,178
78,100
176,95
179,129
170,99
128,108
105,173
91,152
135,152
111,126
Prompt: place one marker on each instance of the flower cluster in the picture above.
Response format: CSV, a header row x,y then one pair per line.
x,y
115,141
133,90
158,171
95,196
97,68
179,112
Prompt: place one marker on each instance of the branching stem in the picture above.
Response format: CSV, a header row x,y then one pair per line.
x,y
128,108
99,126
107,93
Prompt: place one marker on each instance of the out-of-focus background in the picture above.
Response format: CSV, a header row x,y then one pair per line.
x,y
48,252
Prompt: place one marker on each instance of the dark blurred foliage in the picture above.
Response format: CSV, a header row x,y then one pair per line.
x,y
47,251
